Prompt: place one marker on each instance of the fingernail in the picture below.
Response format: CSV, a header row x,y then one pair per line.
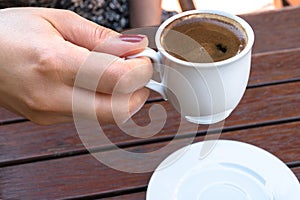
x,y
132,38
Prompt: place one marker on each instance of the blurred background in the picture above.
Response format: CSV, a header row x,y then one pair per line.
x,y
232,6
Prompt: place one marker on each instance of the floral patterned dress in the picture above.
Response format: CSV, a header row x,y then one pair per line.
x,y
113,14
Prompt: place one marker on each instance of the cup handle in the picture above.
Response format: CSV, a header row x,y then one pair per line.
x,y
156,58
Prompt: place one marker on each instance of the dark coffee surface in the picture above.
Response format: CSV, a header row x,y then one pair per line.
x,y
203,40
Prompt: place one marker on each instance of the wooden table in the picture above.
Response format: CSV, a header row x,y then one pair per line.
x,y
50,162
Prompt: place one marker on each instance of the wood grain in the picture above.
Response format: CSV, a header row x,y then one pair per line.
x,y
133,196
296,171
142,195
24,141
84,175
7,116
275,67
275,30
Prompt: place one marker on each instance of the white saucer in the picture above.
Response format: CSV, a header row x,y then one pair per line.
x,y
231,171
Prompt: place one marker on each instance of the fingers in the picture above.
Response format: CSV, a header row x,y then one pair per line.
x,y
76,29
125,76
78,103
87,34
121,107
123,45
108,108
61,53
104,73
115,82
101,71
95,71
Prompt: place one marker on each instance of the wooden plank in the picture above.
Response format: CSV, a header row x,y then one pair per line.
x,y
20,140
69,179
276,29
25,141
296,171
275,67
84,175
267,104
7,116
142,195
277,139
134,196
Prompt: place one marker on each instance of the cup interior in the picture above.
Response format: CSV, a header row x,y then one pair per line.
x,y
231,22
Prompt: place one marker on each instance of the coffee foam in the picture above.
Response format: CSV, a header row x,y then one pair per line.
x,y
204,38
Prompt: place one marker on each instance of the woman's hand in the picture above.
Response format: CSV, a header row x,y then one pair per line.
x,y
42,52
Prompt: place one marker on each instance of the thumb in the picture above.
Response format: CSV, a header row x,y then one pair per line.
x,y
90,35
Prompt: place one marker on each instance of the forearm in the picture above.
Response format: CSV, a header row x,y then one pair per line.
x,y
144,13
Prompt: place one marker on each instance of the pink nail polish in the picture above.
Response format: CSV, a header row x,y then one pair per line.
x,y
133,38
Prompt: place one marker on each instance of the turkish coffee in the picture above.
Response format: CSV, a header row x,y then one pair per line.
x,y
204,38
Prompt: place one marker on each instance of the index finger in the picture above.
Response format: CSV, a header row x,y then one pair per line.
x,y
106,73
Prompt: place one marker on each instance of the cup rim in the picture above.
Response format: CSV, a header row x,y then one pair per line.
x,y
248,29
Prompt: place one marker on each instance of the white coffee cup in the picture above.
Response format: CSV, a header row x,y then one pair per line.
x,y
204,93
